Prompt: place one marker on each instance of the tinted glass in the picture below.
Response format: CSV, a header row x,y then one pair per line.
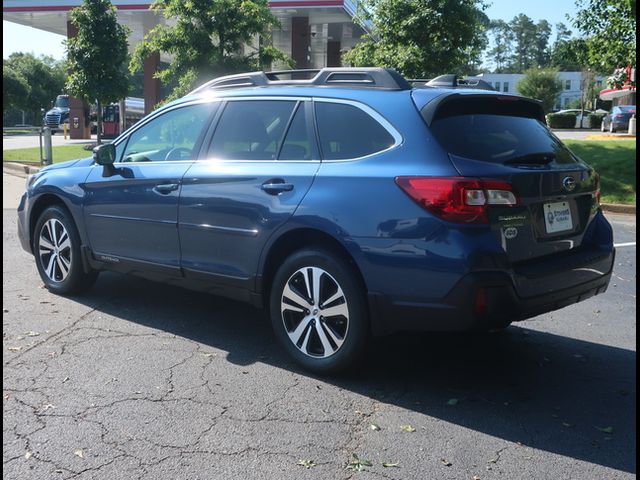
x,y
62,102
297,145
627,109
348,132
498,138
171,136
251,130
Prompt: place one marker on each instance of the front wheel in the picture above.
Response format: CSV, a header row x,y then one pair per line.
x,y
611,128
318,310
56,245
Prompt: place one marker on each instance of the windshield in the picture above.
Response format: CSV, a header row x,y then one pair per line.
x,y
62,102
498,138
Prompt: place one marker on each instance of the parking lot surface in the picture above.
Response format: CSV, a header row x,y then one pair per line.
x,y
142,380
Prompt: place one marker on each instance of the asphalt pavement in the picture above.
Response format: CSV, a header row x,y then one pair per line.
x,y
140,380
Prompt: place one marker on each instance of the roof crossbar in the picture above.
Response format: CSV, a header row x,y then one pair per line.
x,y
366,77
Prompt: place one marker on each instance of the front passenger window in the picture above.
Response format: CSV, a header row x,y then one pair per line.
x,y
171,136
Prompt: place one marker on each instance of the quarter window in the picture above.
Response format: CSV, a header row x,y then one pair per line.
x,y
348,132
171,136
251,130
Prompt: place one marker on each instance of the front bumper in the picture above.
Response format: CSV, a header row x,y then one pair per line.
x,y
524,292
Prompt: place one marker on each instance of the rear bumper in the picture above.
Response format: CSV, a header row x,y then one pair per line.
x,y
507,296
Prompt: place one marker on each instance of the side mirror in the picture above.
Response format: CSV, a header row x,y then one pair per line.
x,y
104,154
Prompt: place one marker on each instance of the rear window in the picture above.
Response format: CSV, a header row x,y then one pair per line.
x,y
499,139
348,132
628,109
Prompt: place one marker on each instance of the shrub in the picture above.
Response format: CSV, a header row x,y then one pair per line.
x,y
595,120
561,120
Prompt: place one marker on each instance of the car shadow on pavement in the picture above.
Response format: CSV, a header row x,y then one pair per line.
x,y
562,395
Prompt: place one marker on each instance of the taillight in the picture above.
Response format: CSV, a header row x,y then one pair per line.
x,y
458,199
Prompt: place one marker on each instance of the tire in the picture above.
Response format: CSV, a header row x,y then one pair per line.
x,y
611,129
325,343
56,246
602,127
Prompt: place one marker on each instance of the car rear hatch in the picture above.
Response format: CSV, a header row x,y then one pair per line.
x,y
504,138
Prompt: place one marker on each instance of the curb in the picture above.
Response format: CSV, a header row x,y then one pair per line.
x,y
19,169
618,208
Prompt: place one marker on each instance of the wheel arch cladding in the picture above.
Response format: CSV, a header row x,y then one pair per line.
x,y
43,202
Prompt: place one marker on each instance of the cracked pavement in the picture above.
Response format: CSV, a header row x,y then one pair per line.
x,y
137,380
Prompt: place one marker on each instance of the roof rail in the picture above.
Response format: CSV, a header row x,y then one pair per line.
x,y
452,81
366,77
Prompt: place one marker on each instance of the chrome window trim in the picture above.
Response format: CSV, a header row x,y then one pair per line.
x,y
397,137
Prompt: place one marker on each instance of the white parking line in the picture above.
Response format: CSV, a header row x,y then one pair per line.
x,y
628,244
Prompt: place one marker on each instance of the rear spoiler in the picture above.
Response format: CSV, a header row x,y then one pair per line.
x,y
454,104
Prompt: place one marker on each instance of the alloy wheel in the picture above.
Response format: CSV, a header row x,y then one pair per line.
x,y
54,249
315,312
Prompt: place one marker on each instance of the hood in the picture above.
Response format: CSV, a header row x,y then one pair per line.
x,y
81,162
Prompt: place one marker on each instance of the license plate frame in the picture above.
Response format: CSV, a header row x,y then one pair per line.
x,y
557,217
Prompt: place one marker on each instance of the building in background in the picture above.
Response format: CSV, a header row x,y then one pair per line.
x,y
313,33
571,85
621,87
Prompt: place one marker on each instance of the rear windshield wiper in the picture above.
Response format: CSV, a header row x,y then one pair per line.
x,y
541,158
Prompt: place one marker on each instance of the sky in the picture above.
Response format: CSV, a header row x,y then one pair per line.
x,y
18,38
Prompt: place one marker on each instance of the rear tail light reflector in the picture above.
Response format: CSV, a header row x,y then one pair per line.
x,y
458,199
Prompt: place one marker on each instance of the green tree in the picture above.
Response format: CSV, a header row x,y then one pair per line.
x,y
541,54
502,49
207,38
610,27
43,76
570,55
14,88
542,85
419,38
97,56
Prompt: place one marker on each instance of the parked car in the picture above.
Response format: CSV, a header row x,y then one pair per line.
x,y
350,204
618,118
586,123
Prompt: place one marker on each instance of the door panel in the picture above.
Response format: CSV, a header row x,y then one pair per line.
x,y
229,206
131,208
132,211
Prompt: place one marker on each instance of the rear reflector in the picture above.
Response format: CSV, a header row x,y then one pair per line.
x,y
458,199
480,304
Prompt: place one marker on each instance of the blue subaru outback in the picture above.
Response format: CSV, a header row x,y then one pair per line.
x,y
349,204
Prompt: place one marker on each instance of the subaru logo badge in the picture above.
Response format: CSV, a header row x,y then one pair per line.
x,y
569,184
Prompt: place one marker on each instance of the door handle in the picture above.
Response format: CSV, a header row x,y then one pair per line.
x,y
276,186
165,188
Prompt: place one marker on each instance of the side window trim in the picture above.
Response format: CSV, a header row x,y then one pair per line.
x,y
384,123
198,145
286,129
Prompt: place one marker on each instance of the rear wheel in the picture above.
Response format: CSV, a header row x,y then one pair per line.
x,y
611,128
602,126
56,245
318,311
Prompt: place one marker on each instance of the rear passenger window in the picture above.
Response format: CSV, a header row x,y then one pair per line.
x,y
349,132
251,130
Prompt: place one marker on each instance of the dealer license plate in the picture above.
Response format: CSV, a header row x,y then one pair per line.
x,y
557,217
